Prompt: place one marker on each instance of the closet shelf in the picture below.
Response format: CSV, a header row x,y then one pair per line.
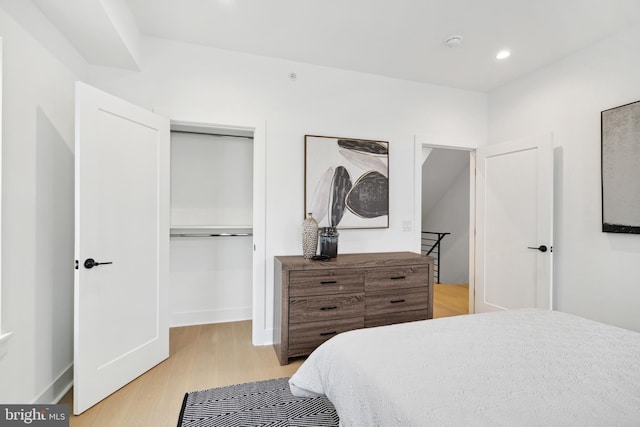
x,y
211,230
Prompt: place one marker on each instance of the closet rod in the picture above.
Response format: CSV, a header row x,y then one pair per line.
x,y
211,234
210,133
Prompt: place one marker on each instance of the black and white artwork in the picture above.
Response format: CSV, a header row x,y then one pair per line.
x,y
620,129
347,182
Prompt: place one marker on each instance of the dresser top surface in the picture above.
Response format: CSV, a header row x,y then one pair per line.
x,y
359,260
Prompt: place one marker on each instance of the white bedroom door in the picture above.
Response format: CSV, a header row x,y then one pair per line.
x,y
121,326
514,225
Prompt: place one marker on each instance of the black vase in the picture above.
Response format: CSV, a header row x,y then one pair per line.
x,y
329,242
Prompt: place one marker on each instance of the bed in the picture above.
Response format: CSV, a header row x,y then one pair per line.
x,y
524,367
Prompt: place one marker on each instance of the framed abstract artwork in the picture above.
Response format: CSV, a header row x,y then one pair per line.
x,y
347,182
620,139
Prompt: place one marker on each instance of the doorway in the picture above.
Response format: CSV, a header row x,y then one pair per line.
x,y
445,218
125,151
531,167
253,130
211,225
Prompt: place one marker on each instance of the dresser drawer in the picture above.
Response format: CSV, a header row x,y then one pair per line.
x,y
314,301
325,307
396,317
320,282
396,277
397,300
305,337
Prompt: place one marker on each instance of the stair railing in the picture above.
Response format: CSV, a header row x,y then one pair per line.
x,y
430,245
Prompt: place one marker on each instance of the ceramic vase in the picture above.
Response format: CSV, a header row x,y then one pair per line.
x,y
309,236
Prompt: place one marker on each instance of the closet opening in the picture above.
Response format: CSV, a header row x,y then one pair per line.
x,y
211,245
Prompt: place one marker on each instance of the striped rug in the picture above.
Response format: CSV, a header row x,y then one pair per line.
x,y
262,403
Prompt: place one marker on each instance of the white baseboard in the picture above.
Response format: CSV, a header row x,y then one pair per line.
x,y
188,318
57,389
267,338
262,337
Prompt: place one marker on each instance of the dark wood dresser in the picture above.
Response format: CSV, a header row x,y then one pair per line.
x,y
315,300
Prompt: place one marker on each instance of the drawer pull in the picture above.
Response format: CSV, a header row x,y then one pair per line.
x,y
328,282
398,277
331,307
396,301
324,334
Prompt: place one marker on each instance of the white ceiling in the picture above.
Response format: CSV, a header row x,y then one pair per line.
x,y
396,38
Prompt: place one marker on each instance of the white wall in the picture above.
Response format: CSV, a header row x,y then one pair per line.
x,y
211,179
37,228
195,83
596,274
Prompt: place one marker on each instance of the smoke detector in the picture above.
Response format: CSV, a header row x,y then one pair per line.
x,y
453,41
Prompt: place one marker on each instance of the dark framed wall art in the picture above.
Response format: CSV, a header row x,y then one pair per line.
x,y
347,182
620,138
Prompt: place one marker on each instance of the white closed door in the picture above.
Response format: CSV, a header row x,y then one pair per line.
x,y
514,225
121,326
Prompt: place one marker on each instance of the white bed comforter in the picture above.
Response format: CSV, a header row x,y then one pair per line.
x,y
513,368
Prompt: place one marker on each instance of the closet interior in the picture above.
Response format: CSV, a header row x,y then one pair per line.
x,y
211,245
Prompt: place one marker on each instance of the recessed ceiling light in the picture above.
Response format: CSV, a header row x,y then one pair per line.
x,y
503,54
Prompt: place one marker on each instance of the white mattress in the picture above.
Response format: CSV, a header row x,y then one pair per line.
x,y
513,368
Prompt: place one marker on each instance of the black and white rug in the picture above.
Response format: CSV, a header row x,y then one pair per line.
x,y
262,403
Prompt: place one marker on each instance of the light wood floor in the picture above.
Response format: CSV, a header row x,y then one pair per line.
x,y
207,356
450,300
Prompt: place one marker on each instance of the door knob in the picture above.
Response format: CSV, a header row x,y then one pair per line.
x,y
541,248
90,263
